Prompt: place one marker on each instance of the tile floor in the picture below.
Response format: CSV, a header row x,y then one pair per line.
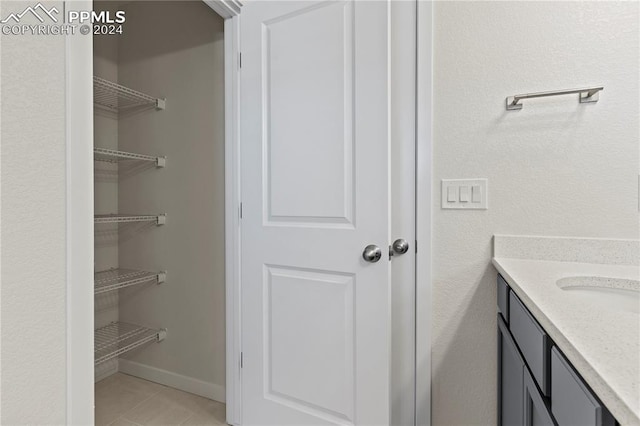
x,y
123,400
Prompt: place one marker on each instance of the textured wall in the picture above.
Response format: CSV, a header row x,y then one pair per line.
x,y
33,309
105,135
556,167
177,52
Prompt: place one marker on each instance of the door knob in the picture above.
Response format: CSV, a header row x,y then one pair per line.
x,y
400,246
372,253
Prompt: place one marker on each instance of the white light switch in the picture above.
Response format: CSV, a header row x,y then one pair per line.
x,y
452,194
465,194
476,194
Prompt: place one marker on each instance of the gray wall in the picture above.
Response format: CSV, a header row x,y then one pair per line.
x,y
176,50
555,168
105,130
33,216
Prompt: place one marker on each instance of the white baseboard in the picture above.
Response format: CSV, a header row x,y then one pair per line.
x,y
174,380
105,369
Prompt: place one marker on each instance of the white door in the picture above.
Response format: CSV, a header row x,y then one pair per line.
x,y
315,143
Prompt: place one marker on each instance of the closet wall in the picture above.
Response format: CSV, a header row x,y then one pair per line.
x,y
105,135
175,50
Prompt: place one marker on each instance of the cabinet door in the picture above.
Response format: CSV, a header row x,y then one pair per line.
x,y
572,402
510,378
536,410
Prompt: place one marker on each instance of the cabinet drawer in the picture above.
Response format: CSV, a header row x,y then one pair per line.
x,y
503,298
532,341
572,403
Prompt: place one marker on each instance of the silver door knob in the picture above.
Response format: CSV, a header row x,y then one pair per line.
x,y
400,246
372,253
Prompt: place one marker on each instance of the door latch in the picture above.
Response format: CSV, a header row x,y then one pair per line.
x,y
399,246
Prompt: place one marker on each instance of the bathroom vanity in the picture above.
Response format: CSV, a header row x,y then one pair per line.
x,y
537,384
568,331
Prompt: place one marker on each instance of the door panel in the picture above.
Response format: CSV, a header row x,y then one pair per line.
x,y
308,107
314,135
321,304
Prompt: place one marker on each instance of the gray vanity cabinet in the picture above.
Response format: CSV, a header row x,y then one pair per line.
x,y
510,378
572,402
503,299
532,341
520,402
537,386
536,408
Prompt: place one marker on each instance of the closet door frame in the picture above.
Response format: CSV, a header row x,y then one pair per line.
x,y
425,188
232,214
79,233
80,212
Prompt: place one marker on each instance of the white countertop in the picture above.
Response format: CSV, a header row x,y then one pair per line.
x,y
603,344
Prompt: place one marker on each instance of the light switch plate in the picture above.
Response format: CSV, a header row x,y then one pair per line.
x,y
473,194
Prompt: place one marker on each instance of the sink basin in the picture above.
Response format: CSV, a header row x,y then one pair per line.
x,y
619,294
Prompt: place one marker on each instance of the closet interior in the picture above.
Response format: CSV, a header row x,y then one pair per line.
x,y
159,198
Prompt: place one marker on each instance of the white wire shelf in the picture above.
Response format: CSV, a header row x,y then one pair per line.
x,y
117,278
159,219
115,97
113,156
118,338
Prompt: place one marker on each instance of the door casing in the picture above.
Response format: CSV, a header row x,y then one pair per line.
x,y
79,232
402,209
424,204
